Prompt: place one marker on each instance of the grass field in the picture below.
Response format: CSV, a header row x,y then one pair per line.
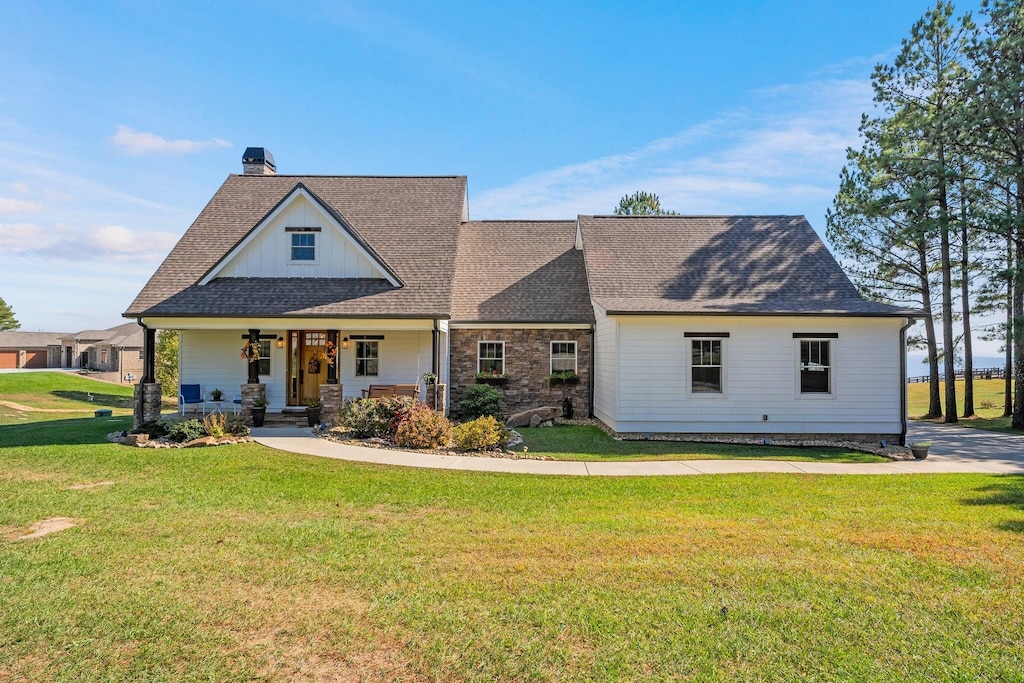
x,y
985,390
241,563
572,442
53,395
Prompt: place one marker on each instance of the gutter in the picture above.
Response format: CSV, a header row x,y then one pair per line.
x,y
903,379
593,352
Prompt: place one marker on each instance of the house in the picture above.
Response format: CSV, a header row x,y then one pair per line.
x,y
295,288
115,350
29,349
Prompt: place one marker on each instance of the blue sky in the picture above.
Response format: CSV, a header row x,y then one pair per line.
x,y
118,122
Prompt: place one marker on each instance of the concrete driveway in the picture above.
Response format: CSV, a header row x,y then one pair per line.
x,y
952,444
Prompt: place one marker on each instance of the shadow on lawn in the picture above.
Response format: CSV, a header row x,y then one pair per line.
x,y
1009,491
109,400
72,432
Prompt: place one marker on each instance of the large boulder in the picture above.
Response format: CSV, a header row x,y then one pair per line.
x,y
523,418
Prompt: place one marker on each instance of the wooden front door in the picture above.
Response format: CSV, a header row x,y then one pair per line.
x,y
312,360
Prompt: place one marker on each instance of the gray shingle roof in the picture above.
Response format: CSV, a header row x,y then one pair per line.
x,y
520,271
412,223
716,265
13,339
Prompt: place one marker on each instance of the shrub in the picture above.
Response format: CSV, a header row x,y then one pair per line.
x,y
215,424
236,426
369,417
421,427
479,400
155,429
186,430
988,404
480,434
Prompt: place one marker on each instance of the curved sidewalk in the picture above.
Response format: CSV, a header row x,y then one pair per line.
x,y
302,441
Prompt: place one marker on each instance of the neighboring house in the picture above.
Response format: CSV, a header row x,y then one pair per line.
x,y
29,349
678,325
114,350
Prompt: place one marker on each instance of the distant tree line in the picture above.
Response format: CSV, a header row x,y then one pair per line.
x,y
930,207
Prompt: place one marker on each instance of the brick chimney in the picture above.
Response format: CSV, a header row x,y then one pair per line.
x,y
258,161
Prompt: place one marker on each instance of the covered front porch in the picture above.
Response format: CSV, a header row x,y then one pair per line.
x,y
294,359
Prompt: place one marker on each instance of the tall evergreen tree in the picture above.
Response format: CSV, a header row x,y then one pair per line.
x,y
7,319
641,203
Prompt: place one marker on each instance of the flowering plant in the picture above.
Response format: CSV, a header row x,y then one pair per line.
x,y
332,353
251,352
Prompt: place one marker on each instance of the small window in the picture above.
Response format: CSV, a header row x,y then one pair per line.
x,y
367,359
563,356
491,358
303,246
264,361
706,366
103,356
142,354
815,366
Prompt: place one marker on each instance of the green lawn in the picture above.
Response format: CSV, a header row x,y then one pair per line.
x,y
577,442
241,563
53,395
985,390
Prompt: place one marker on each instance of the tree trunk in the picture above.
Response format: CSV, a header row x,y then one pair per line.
x,y
1017,421
1008,367
947,294
966,305
934,401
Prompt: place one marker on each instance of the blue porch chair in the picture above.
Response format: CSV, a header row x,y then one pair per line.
x,y
190,394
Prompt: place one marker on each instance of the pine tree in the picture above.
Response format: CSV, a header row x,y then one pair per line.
x,y
7,319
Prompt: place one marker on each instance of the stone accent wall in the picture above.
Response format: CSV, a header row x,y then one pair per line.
x,y
330,403
528,364
250,392
435,396
148,398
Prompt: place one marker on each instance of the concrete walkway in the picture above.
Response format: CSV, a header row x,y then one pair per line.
x,y
947,458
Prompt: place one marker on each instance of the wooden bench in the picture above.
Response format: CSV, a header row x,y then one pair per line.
x,y
381,390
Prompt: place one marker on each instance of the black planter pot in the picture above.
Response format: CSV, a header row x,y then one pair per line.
x,y
312,417
920,453
258,415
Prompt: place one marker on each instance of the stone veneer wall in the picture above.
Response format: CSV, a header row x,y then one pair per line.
x,y
330,403
148,402
528,364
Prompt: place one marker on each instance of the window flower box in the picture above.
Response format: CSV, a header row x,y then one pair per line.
x,y
563,378
492,379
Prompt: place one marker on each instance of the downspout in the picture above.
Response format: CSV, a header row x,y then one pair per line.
x,y
903,379
593,352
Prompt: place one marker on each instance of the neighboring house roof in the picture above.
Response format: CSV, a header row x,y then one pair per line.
x,y
765,265
412,223
13,339
128,335
520,271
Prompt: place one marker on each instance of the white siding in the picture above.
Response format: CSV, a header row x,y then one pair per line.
x,y
212,358
606,367
760,376
269,254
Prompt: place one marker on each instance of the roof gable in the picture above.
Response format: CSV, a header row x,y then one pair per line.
x,y
265,251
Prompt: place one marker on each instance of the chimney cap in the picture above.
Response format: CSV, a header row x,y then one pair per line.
x,y
256,155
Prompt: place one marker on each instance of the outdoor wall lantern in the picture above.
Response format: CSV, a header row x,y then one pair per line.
x,y
344,343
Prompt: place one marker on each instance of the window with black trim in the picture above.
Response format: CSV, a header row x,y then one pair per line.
x,y
367,359
264,361
706,366
815,366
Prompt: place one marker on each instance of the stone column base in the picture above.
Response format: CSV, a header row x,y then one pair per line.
x,y
249,393
330,404
148,402
435,396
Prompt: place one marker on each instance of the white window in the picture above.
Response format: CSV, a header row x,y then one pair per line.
x,y
563,356
264,361
303,246
706,367
815,366
367,359
491,358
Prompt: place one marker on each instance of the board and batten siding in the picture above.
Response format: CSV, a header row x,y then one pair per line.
x,y
269,254
212,359
606,367
761,360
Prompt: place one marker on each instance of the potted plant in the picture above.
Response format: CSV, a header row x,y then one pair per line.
x,y
258,410
563,377
920,449
494,378
217,395
312,411
429,378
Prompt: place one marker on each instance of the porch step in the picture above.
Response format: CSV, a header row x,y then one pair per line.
x,y
290,418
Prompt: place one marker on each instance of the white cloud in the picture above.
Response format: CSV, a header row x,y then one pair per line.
x,y
779,154
12,206
20,188
138,143
109,243
57,195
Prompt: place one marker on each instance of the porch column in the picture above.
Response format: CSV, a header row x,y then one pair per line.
x,y
332,364
149,356
254,364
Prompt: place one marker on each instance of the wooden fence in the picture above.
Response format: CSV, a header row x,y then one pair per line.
x,y
979,373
